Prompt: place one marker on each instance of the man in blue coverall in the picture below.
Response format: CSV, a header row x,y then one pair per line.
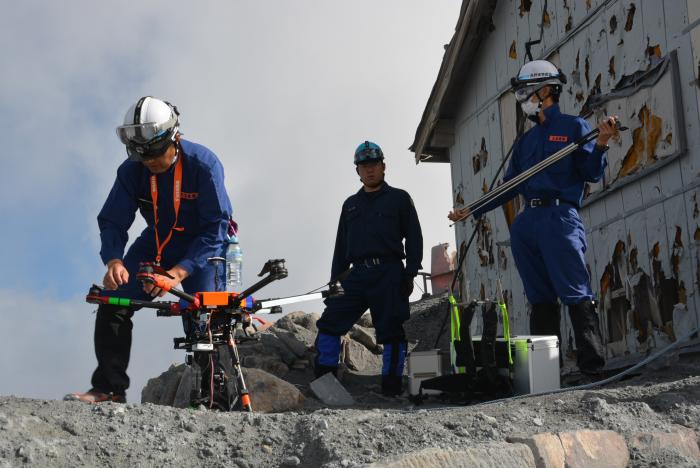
x,y
373,225
548,239
178,187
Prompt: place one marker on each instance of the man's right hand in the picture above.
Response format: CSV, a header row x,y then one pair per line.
x,y
116,275
459,214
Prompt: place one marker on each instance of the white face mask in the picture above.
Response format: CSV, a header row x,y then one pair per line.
x,y
530,108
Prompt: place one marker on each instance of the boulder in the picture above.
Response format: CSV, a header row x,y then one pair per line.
x,y
161,390
270,394
365,336
366,320
268,362
359,358
299,319
290,340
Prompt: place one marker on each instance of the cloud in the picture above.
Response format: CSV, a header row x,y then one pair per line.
x,y
281,91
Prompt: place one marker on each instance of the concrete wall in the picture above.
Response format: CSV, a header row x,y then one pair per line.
x,y
643,219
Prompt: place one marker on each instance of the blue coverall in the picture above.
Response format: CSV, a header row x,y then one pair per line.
x,y
549,241
370,236
205,211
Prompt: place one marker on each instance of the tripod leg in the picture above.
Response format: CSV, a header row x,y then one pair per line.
x,y
242,389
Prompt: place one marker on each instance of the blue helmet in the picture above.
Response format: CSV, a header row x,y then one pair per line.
x,y
368,152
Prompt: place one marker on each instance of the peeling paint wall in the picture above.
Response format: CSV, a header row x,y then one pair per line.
x,y
642,219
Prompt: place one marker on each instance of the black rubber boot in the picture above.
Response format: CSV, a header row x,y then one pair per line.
x,y
545,319
392,385
590,352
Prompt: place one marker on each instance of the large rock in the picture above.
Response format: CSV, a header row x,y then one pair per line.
x,y
161,390
366,320
501,455
290,340
267,362
546,448
592,449
270,394
683,441
299,319
359,358
429,324
272,344
365,336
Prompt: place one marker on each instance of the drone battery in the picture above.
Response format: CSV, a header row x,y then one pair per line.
x,y
203,347
215,298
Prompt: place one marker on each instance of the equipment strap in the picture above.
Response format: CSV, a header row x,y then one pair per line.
x,y
455,333
506,330
177,192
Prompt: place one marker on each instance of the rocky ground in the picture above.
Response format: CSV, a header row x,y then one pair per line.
x,y
651,419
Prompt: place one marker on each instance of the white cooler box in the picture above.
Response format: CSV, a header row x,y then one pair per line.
x,y
535,362
423,365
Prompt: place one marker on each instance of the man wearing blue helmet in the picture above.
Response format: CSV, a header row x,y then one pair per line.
x,y
373,225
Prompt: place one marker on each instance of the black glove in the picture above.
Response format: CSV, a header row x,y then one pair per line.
x,y
406,287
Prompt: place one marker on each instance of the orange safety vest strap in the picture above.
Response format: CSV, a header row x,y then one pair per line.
x,y
177,193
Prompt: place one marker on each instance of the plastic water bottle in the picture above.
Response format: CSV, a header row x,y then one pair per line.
x,y
234,265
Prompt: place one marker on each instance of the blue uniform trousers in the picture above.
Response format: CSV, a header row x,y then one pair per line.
x,y
548,244
378,288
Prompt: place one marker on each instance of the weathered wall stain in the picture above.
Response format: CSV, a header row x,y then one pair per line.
x,y
524,7
484,243
629,24
645,139
480,159
513,52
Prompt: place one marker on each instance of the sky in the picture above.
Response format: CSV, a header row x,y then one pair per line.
x,y
281,91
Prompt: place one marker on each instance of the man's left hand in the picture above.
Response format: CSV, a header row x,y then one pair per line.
x,y
178,275
607,130
407,287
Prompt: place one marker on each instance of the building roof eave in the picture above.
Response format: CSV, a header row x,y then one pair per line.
x,y
473,25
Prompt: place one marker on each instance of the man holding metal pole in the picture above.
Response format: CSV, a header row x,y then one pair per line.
x,y
548,239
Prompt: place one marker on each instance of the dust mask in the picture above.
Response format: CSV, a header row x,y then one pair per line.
x,y
531,108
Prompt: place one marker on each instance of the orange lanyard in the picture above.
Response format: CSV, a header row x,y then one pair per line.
x,y
177,190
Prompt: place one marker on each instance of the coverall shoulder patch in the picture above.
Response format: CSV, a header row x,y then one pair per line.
x,y
559,138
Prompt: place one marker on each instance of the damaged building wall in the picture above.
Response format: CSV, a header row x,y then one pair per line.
x,y
642,219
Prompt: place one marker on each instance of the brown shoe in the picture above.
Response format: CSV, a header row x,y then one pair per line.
x,y
94,397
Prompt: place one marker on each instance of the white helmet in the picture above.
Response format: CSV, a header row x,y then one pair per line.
x,y
149,128
534,76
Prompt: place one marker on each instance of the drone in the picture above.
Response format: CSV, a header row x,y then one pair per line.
x,y
215,322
